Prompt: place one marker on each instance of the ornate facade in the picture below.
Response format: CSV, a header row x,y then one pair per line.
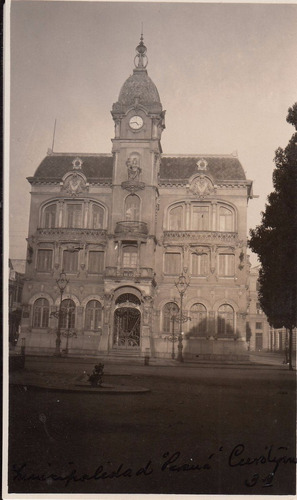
x,y
123,226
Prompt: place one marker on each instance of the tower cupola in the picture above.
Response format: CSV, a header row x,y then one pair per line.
x,y
139,89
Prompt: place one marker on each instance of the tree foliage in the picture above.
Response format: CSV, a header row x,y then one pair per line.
x,y
275,239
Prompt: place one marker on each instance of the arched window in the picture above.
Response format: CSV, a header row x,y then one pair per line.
x,y
93,315
169,317
49,216
97,214
132,207
225,320
200,264
130,256
67,314
225,219
198,315
40,313
128,297
176,219
200,218
74,215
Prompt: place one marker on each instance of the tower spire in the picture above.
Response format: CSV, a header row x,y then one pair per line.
x,y
141,60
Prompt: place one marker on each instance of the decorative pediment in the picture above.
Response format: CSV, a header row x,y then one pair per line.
x,y
74,184
202,186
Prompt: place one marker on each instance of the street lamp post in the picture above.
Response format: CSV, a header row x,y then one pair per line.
x,y
69,332
173,337
62,282
173,315
181,284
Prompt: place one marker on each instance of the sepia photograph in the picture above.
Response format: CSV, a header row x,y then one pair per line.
x,y
150,259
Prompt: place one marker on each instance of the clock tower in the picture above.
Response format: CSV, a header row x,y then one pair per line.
x,y
130,259
139,122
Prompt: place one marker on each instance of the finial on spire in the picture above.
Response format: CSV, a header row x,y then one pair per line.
x,y
141,59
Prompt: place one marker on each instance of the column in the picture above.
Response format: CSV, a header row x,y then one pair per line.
x,y
60,213
187,216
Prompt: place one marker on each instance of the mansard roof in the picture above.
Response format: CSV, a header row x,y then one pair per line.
x,y
220,167
178,167
55,165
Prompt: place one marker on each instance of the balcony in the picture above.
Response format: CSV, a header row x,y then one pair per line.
x,y
215,237
70,233
131,228
143,273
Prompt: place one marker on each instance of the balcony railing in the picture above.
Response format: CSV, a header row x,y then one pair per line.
x,y
129,273
200,236
131,227
71,232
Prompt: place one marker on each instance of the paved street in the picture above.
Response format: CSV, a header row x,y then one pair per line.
x,y
202,428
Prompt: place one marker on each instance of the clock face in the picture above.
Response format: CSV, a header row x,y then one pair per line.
x,y
136,122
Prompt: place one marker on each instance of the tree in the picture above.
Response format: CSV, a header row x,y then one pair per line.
x,y
275,241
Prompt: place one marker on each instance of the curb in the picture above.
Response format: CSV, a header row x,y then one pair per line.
x,y
105,389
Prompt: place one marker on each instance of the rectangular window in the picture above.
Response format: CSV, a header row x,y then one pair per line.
x,y
70,261
200,265
172,264
226,264
200,219
44,261
74,215
96,260
258,326
130,257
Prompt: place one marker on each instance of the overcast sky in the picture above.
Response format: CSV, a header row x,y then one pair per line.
x,y
226,74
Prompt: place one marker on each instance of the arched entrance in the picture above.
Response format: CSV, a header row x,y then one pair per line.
x,y
127,318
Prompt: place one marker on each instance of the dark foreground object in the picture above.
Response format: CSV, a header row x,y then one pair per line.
x,y
211,430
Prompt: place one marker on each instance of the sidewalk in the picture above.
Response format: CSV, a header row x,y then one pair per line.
x,y
70,374
270,358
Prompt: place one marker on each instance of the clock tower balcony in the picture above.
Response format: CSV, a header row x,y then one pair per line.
x,y
137,275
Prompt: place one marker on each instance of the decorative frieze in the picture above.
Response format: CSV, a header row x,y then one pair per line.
x,y
200,236
71,233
